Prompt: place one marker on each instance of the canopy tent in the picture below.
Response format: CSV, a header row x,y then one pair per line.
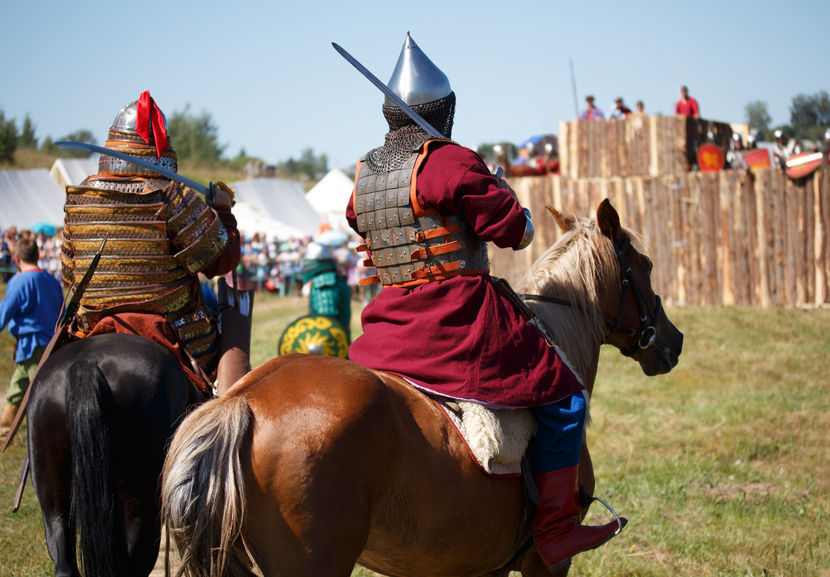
x,y
282,201
251,220
330,196
29,197
71,171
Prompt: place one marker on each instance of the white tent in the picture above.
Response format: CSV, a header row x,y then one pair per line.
x,y
330,196
28,197
283,201
251,220
71,171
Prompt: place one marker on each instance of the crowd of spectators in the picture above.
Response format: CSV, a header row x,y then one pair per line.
x,y
49,247
275,265
267,264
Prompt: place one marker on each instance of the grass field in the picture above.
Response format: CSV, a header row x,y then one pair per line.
x,y
722,466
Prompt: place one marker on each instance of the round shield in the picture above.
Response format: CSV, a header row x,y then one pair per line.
x,y
803,164
314,335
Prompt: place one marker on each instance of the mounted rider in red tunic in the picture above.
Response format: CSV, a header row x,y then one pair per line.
x,y
159,235
426,208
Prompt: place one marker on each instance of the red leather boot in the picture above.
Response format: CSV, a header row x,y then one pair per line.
x,y
556,530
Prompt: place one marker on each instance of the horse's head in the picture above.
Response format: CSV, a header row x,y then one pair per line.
x,y
635,321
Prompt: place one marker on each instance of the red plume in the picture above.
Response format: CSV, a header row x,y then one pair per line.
x,y
150,114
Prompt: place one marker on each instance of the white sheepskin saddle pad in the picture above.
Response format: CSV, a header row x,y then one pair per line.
x,y
497,438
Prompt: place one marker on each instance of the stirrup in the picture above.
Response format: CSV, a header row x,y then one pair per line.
x,y
610,508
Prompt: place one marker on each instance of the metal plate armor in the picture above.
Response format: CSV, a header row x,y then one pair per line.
x,y
410,245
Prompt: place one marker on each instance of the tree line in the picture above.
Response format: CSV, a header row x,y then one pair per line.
x,y
195,138
809,117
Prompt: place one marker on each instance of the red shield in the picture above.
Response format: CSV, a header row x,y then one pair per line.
x,y
757,158
801,165
710,157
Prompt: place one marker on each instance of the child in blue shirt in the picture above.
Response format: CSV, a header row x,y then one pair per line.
x,y
30,309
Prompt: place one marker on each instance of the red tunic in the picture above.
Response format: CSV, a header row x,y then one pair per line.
x,y
461,337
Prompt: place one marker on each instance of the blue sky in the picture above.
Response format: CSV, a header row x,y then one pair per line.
x,y
267,74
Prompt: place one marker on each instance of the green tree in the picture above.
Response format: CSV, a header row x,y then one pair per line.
x,y
309,165
757,116
78,136
48,147
195,137
27,134
8,138
810,115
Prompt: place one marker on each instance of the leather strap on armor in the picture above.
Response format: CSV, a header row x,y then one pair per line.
x,y
410,245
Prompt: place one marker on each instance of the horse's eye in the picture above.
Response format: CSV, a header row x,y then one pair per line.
x,y
647,264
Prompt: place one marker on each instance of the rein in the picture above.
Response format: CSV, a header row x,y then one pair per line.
x,y
647,335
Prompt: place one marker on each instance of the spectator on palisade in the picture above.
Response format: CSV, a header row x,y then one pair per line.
x,y
591,112
686,106
620,109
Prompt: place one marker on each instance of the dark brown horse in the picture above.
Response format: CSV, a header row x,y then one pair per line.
x,y
101,413
310,464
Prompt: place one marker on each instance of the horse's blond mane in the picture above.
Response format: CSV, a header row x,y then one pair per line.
x,y
572,269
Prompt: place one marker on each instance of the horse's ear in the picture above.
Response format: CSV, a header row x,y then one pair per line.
x,y
609,221
565,223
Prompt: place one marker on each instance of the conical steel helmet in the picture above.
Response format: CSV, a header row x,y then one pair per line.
x,y
416,79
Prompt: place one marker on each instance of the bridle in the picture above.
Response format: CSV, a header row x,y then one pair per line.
x,y
647,334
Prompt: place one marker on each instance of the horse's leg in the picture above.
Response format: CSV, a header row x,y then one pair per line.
x,y
52,479
139,463
142,531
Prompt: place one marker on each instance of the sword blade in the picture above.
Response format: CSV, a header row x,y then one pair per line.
x,y
139,161
419,120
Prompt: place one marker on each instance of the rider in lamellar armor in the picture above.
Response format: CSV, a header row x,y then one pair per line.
x,y
427,207
159,235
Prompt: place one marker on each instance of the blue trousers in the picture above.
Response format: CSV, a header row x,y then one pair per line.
x,y
559,439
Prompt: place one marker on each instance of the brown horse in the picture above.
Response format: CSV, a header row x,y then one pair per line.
x,y
310,465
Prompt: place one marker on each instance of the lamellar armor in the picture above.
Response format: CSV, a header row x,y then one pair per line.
x,y
159,235
410,245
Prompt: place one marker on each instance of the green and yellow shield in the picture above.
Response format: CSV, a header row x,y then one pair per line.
x,y
314,335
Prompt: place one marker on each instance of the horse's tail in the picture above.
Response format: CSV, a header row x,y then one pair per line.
x,y
95,508
203,493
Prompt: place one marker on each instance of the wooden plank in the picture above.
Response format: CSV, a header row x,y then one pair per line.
x,y
657,238
808,222
746,237
762,254
749,196
714,244
779,200
681,245
653,162
696,245
565,160
789,249
726,246
825,224
820,238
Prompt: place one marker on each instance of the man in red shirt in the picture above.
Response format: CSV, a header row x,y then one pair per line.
x,y
686,106
427,207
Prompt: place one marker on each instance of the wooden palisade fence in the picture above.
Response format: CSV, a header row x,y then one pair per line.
x,y
718,238
637,146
